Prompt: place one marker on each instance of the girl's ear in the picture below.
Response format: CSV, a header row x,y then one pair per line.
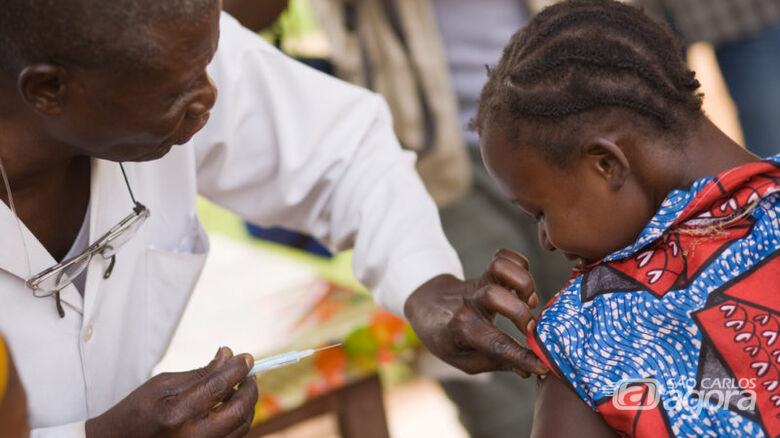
x,y
607,159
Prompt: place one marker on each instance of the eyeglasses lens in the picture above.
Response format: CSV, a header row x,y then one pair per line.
x,y
57,280
116,240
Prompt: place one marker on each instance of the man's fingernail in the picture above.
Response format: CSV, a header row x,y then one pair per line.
x,y
225,352
219,352
530,327
541,368
250,361
534,300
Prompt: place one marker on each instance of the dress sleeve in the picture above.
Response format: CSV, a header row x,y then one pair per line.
x,y
560,339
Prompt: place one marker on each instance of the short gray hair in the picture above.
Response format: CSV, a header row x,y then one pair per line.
x,y
87,33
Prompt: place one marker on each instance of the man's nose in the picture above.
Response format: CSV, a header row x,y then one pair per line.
x,y
204,100
544,241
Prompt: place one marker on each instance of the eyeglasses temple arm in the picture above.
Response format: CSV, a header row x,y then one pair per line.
x,y
138,206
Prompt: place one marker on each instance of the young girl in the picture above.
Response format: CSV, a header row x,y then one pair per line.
x,y
592,123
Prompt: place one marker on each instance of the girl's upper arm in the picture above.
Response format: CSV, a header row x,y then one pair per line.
x,y
559,412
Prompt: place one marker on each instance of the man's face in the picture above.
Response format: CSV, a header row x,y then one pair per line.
x,y
576,209
139,115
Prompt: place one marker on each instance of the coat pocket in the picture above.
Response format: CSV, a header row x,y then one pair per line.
x,y
170,280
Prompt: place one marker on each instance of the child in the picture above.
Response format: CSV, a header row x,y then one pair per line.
x,y
592,123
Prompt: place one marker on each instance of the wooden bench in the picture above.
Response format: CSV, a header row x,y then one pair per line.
x,y
359,407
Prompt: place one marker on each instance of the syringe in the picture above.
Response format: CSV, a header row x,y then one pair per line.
x,y
283,359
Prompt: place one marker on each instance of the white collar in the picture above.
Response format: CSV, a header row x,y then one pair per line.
x,y
19,243
108,205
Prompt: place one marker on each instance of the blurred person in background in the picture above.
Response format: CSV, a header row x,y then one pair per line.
x,y
13,401
255,14
746,37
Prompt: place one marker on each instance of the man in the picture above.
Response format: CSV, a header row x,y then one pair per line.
x,y
98,261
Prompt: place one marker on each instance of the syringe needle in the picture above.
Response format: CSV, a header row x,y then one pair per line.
x,y
329,346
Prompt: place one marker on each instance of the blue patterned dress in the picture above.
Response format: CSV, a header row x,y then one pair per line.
x,y
677,334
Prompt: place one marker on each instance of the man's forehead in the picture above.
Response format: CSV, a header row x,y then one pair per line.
x,y
180,47
116,35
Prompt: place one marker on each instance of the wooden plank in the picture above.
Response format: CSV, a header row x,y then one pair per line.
x,y
362,411
358,405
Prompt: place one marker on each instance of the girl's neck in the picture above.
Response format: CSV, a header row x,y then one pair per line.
x,y
710,152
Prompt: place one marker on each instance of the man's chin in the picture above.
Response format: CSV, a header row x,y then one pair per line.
x,y
163,148
152,155
166,147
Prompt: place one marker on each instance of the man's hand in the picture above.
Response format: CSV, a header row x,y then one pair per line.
x,y
454,319
198,403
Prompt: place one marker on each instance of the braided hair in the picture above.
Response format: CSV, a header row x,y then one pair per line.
x,y
581,61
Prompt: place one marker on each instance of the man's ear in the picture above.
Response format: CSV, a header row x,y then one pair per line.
x,y
44,88
607,159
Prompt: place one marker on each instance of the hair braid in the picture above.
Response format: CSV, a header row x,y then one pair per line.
x,y
586,56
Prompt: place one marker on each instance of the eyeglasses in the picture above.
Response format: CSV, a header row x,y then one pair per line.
x,y
52,280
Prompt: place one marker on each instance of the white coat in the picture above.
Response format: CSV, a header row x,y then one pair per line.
x,y
285,145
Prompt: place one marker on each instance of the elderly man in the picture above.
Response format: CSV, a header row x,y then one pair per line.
x,y
98,259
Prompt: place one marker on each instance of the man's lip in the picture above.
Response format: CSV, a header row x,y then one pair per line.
x,y
184,139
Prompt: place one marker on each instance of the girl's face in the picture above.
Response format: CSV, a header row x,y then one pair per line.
x,y
588,209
